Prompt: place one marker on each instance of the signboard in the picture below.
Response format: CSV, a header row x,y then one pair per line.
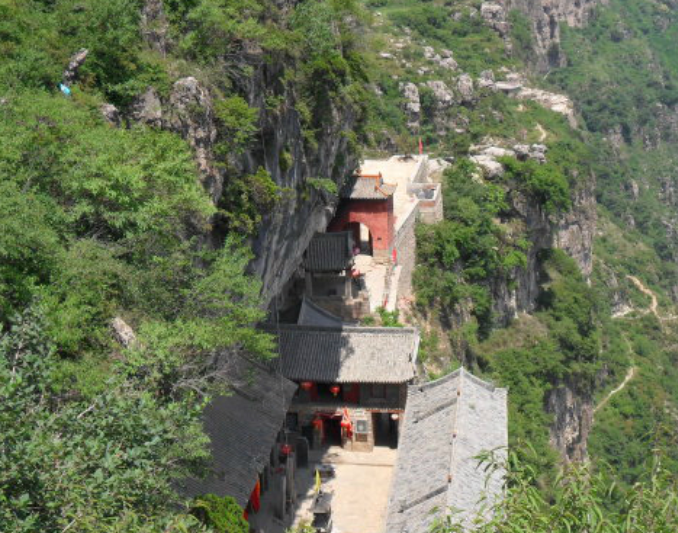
x,y
361,426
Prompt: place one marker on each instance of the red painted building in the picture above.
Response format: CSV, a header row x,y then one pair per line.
x,y
366,210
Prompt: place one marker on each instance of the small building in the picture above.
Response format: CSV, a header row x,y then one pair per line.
x,y
329,282
353,382
448,423
243,427
367,210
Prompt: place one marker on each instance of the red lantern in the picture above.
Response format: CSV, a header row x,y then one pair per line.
x,y
306,385
335,389
286,449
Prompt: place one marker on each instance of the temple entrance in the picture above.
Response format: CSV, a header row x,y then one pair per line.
x,y
332,430
362,236
385,428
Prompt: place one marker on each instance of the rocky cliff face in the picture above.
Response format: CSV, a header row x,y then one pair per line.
x,y
573,417
547,16
571,232
189,110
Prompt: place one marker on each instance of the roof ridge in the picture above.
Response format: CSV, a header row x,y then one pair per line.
x,y
341,329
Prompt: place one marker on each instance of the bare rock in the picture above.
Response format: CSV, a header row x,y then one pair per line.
x,y
111,114
465,88
489,165
70,75
486,80
155,26
522,151
442,93
123,333
147,108
538,152
412,103
558,103
191,114
497,151
495,17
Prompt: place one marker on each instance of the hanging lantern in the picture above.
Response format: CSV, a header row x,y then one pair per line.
x,y
335,389
346,424
306,385
286,449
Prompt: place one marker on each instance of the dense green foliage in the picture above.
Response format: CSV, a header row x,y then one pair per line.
x,y
85,463
223,515
621,70
581,502
560,344
478,243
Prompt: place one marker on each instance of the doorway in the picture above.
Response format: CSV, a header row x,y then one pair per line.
x,y
362,237
385,429
332,430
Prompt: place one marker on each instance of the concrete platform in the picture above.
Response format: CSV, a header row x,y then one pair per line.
x,y
400,171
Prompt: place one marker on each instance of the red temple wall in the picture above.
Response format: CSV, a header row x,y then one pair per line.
x,y
377,215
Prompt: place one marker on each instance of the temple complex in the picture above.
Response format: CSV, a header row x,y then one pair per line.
x,y
348,399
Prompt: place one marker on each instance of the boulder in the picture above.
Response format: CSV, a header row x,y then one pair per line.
x,y
70,75
486,80
123,333
147,108
443,95
491,167
412,102
111,114
465,88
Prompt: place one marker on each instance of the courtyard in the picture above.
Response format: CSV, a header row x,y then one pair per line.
x,y
360,486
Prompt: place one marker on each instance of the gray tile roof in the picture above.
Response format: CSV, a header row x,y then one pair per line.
x,y
348,354
329,252
360,188
447,424
243,428
313,315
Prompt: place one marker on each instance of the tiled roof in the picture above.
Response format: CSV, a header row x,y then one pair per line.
x,y
447,424
361,188
242,428
329,252
348,354
313,315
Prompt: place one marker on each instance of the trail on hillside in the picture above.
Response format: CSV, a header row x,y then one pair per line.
x,y
654,305
629,376
542,132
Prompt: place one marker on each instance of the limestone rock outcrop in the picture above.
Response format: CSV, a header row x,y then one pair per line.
x,y
546,17
155,26
466,88
78,59
412,104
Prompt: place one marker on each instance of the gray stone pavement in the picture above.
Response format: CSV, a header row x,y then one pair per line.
x,y
360,486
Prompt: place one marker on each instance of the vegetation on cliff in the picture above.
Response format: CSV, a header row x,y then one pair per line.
x,y
102,221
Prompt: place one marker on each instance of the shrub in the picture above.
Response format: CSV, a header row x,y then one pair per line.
x,y
222,514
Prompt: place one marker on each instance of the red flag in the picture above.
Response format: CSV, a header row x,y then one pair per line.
x,y
421,147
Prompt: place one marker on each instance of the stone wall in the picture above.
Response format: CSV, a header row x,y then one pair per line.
x,y
406,246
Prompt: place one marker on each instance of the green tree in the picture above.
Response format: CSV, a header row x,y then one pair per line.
x,y
85,463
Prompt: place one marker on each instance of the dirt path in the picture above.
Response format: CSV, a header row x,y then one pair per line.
x,y
654,305
629,376
642,288
542,133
